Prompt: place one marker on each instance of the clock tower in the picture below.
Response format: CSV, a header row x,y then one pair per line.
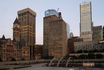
x,y
16,30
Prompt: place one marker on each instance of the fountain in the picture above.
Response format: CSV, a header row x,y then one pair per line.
x,y
51,61
69,60
59,61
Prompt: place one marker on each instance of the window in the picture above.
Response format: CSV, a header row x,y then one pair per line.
x,y
4,50
24,52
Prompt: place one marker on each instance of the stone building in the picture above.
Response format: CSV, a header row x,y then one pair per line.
x,y
12,49
38,51
71,43
88,45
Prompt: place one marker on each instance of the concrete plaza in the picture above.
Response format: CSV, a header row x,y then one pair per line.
x,y
43,67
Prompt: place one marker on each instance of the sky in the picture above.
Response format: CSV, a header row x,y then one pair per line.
x,y
70,10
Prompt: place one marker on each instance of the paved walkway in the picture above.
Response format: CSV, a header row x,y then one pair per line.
x,y
43,67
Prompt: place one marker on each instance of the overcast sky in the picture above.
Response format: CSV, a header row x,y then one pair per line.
x,y
70,10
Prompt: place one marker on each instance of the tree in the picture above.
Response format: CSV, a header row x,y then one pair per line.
x,y
72,52
67,56
79,51
13,59
102,50
95,50
85,51
0,59
82,56
99,56
90,51
47,57
91,55
22,59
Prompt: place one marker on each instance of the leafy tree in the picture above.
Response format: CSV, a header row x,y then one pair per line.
x,y
67,56
95,50
82,56
99,56
90,51
72,52
102,50
13,59
91,55
85,51
74,56
22,59
0,59
47,57
79,51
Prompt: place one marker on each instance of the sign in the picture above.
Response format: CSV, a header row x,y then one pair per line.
x,y
101,42
47,12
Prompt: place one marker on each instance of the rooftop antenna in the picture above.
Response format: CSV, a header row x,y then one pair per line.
x,y
57,9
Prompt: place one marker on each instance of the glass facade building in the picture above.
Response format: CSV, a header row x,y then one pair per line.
x,y
68,30
86,21
97,33
103,32
51,12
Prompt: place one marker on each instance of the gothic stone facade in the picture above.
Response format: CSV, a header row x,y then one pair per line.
x,y
11,49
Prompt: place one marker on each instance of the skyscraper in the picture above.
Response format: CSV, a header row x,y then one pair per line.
x,y
97,33
46,32
103,32
27,19
68,30
57,38
86,21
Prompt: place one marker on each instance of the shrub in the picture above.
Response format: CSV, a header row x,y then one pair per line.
x,y
91,55
0,59
99,56
82,56
47,57
13,59
22,59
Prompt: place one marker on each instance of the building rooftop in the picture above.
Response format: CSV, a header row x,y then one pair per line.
x,y
16,21
25,10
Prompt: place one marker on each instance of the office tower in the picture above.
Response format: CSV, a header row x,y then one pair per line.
x,y
86,21
46,32
50,12
16,30
27,19
68,30
57,38
97,33
103,32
